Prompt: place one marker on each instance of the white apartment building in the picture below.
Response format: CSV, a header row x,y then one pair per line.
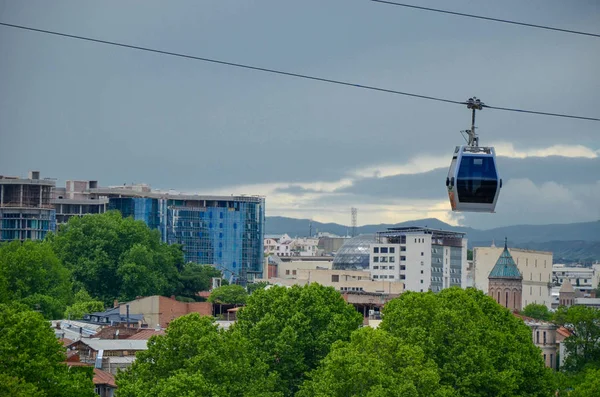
x,y
583,279
423,259
535,267
277,244
304,246
284,245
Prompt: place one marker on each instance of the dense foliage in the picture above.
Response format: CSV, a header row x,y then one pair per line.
x,y
31,273
114,257
32,358
374,363
293,329
197,359
83,304
537,311
195,277
229,295
583,346
480,348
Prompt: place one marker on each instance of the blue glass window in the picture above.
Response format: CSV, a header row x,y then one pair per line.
x,y
220,235
210,225
234,264
221,225
477,180
235,225
221,215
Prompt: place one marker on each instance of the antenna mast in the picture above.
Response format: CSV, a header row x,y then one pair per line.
x,y
354,213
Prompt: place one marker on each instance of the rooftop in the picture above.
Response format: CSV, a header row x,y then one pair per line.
x,y
115,344
505,266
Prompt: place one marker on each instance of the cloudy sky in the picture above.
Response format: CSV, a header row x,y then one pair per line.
x,y
81,110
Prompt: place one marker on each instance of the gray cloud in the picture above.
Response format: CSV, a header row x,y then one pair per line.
x,y
80,110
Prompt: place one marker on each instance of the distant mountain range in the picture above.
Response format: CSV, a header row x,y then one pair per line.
x,y
573,242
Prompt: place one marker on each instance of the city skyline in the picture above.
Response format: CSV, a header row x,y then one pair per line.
x,y
78,110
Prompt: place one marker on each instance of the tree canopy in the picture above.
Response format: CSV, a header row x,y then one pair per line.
x,y
479,347
583,346
194,278
114,257
375,364
293,329
31,273
194,358
229,295
537,311
83,304
32,358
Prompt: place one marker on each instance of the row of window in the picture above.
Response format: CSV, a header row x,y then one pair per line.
x,y
386,276
385,267
386,259
384,250
351,289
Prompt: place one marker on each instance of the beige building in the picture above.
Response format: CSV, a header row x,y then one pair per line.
x,y
341,280
534,266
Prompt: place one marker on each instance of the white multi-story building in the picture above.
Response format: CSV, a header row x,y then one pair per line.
x,y
535,267
583,279
422,258
278,244
304,246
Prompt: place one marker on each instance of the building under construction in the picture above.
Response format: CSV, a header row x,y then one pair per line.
x,y
26,212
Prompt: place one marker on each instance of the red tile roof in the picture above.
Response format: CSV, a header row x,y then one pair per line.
x,y
145,334
104,378
564,332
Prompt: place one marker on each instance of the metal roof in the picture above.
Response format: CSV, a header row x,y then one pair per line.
x,y
505,266
115,344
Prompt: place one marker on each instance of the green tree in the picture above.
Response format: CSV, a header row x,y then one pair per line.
x,y
255,286
114,257
82,305
583,346
30,272
194,358
293,329
480,348
588,385
195,278
374,363
537,311
32,358
229,295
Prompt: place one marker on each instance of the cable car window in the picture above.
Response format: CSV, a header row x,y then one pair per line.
x,y
477,180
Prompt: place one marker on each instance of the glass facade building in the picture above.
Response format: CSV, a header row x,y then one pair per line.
x,y
354,253
226,232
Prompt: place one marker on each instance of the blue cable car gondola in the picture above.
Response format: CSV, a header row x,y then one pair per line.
x,y
473,182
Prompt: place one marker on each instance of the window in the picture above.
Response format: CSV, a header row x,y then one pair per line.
x,y
422,254
544,337
335,278
293,272
392,267
421,271
402,258
392,259
287,272
551,360
375,267
384,250
421,281
375,276
392,250
402,277
376,259
402,267
402,249
477,181
383,259
383,267
376,250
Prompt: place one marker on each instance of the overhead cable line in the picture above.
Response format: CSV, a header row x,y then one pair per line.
x,y
280,72
531,25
